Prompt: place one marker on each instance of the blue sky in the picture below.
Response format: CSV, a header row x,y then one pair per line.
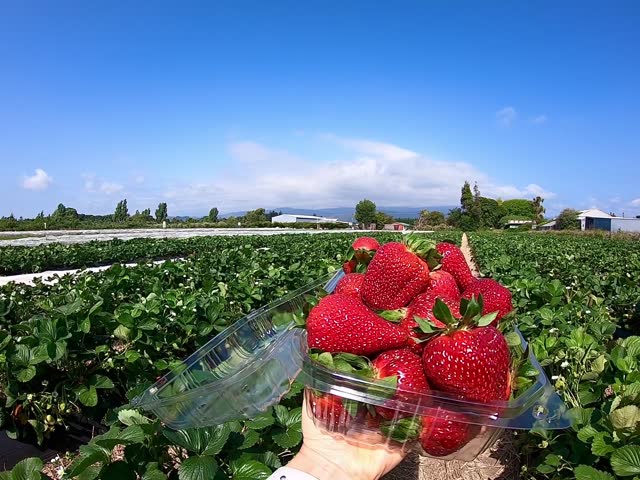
x,y
317,104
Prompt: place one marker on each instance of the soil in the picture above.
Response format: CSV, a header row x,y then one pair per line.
x,y
466,250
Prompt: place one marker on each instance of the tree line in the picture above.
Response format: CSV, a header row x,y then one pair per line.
x,y
64,218
475,212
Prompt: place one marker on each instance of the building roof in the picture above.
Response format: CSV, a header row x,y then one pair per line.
x,y
550,224
311,217
593,213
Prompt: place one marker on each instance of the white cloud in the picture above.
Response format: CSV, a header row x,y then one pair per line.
x,y
109,188
510,191
506,116
139,179
539,119
92,184
39,181
636,202
388,174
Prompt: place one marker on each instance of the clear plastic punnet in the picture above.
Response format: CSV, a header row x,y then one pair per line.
x,y
251,365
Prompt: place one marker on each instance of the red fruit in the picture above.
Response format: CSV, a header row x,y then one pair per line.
x,y
407,367
350,285
495,297
396,274
422,306
363,247
340,323
443,285
470,363
350,266
445,433
330,411
453,261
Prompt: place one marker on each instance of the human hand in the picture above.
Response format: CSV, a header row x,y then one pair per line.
x,y
328,458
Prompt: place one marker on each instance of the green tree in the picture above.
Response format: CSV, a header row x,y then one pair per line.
x,y
255,216
382,219
466,198
213,215
161,212
476,209
538,208
365,212
60,210
122,211
568,220
429,219
491,213
272,214
519,207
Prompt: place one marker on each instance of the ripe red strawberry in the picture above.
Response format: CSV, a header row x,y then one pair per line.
x,y
445,432
330,411
350,285
453,261
496,297
469,361
364,248
350,266
340,323
406,366
443,285
397,274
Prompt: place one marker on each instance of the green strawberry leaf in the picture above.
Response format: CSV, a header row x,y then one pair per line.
x,y
584,472
198,468
249,470
625,461
402,430
287,438
262,420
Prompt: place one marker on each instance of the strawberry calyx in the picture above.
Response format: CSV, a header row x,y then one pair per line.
x,y
424,248
344,362
470,312
394,316
356,365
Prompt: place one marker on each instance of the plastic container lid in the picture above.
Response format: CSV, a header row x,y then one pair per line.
x,y
250,366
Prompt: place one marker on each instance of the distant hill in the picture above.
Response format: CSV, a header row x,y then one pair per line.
x,y
346,213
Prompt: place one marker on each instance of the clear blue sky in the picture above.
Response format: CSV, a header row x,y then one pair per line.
x,y
309,104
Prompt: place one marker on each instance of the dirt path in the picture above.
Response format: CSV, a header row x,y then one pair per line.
x,y
466,250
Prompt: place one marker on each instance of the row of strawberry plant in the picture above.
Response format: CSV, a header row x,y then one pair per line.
x,y
20,259
575,295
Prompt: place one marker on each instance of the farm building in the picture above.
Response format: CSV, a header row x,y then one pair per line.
x,y
515,223
294,218
397,226
596,219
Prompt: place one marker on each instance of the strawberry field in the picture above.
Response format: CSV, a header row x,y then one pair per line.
x,y
578,300
74,353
